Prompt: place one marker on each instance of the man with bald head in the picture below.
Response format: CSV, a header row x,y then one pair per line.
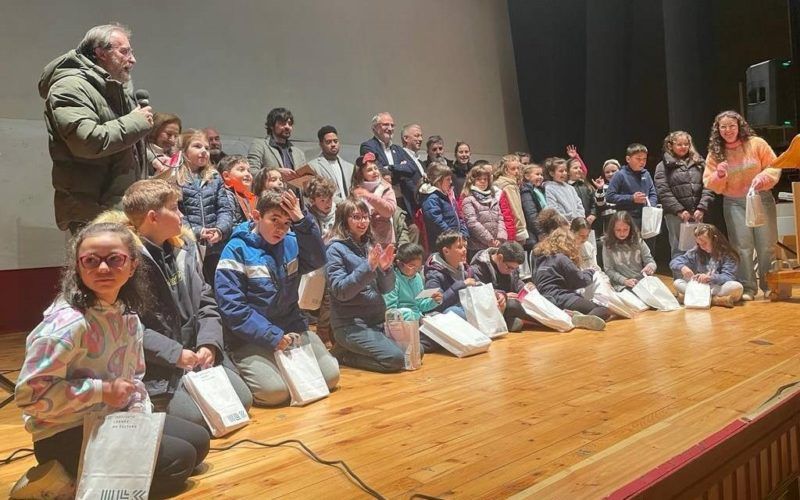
x,y
386,153
215,152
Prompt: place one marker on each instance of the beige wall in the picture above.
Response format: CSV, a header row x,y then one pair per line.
x,y
447,64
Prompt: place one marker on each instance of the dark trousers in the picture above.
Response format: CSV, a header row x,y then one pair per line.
x,y
184,446
588,307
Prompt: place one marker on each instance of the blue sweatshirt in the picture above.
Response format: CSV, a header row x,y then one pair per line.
x,y
624,184
700,262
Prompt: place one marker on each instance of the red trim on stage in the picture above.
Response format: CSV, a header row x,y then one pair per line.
x,y
661,472
24,294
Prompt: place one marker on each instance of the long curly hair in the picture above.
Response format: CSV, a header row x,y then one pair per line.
x,y
716,144
672,138
560,241
720,246
134,293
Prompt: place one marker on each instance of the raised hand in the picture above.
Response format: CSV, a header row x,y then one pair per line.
x,y
572,151
291,204
599,182
387,257
374,256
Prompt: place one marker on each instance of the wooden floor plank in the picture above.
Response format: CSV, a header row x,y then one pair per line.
x,y
542,414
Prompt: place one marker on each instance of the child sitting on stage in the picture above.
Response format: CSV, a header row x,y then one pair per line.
x,y
447,270
626,256
559,279
711,261
72,365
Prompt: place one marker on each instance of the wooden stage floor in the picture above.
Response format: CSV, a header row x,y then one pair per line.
x,y
541,415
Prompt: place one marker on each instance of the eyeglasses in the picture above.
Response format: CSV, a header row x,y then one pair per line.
x,y
112,260
410,267
359,218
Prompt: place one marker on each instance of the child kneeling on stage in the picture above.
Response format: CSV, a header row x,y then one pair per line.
x,y
182,328
711,261
256,283
73,365
359,273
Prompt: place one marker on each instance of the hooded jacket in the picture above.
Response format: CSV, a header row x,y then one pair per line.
x,y
485,272
483,218
679,184
95,139
438,274
439,213
256,283
184,314
405,294
356,290
510,187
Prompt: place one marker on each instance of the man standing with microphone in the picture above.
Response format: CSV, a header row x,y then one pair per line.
x,y
95,125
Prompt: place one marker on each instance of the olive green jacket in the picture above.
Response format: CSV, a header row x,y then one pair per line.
x,y
95,140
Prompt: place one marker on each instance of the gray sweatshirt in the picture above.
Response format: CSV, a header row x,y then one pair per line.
x,y
625,262
564,198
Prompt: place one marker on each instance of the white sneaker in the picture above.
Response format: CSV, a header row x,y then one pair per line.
x,y
48,480
588,322
746,297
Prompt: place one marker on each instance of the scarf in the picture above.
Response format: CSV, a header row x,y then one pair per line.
x,y
247,200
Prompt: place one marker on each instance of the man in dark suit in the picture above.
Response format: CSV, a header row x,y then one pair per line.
x,y
386,153
408,172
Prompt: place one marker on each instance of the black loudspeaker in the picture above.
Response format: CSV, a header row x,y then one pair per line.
x,y
770,93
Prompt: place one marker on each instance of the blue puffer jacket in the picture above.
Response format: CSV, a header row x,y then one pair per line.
x,y
356,290
440,275
701,263
256,283
207,205
440,215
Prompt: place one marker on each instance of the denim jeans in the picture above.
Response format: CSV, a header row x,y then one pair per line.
x,y
747,239
673,223
367,348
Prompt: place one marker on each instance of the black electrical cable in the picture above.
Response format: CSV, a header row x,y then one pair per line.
x,y
13,458
330,463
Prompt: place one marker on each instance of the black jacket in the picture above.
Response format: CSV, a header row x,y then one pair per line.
x,y
679,185
185,318
531,208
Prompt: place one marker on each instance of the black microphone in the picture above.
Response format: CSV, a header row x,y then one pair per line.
x,y
142,97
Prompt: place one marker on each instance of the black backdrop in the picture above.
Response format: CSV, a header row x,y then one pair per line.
x,y
604,74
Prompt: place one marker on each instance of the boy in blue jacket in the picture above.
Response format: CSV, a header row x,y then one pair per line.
x,y
256,283
447,270
632,187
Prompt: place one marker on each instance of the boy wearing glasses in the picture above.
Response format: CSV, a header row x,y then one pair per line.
x,y
257,282
182,328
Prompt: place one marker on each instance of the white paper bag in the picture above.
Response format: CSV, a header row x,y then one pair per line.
x,y
118,454
405,334
686,239
301,372
604,294
655,294
311,290
544,311
455,334
213,394
651,220
631,300
480,305
697,296
754,215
